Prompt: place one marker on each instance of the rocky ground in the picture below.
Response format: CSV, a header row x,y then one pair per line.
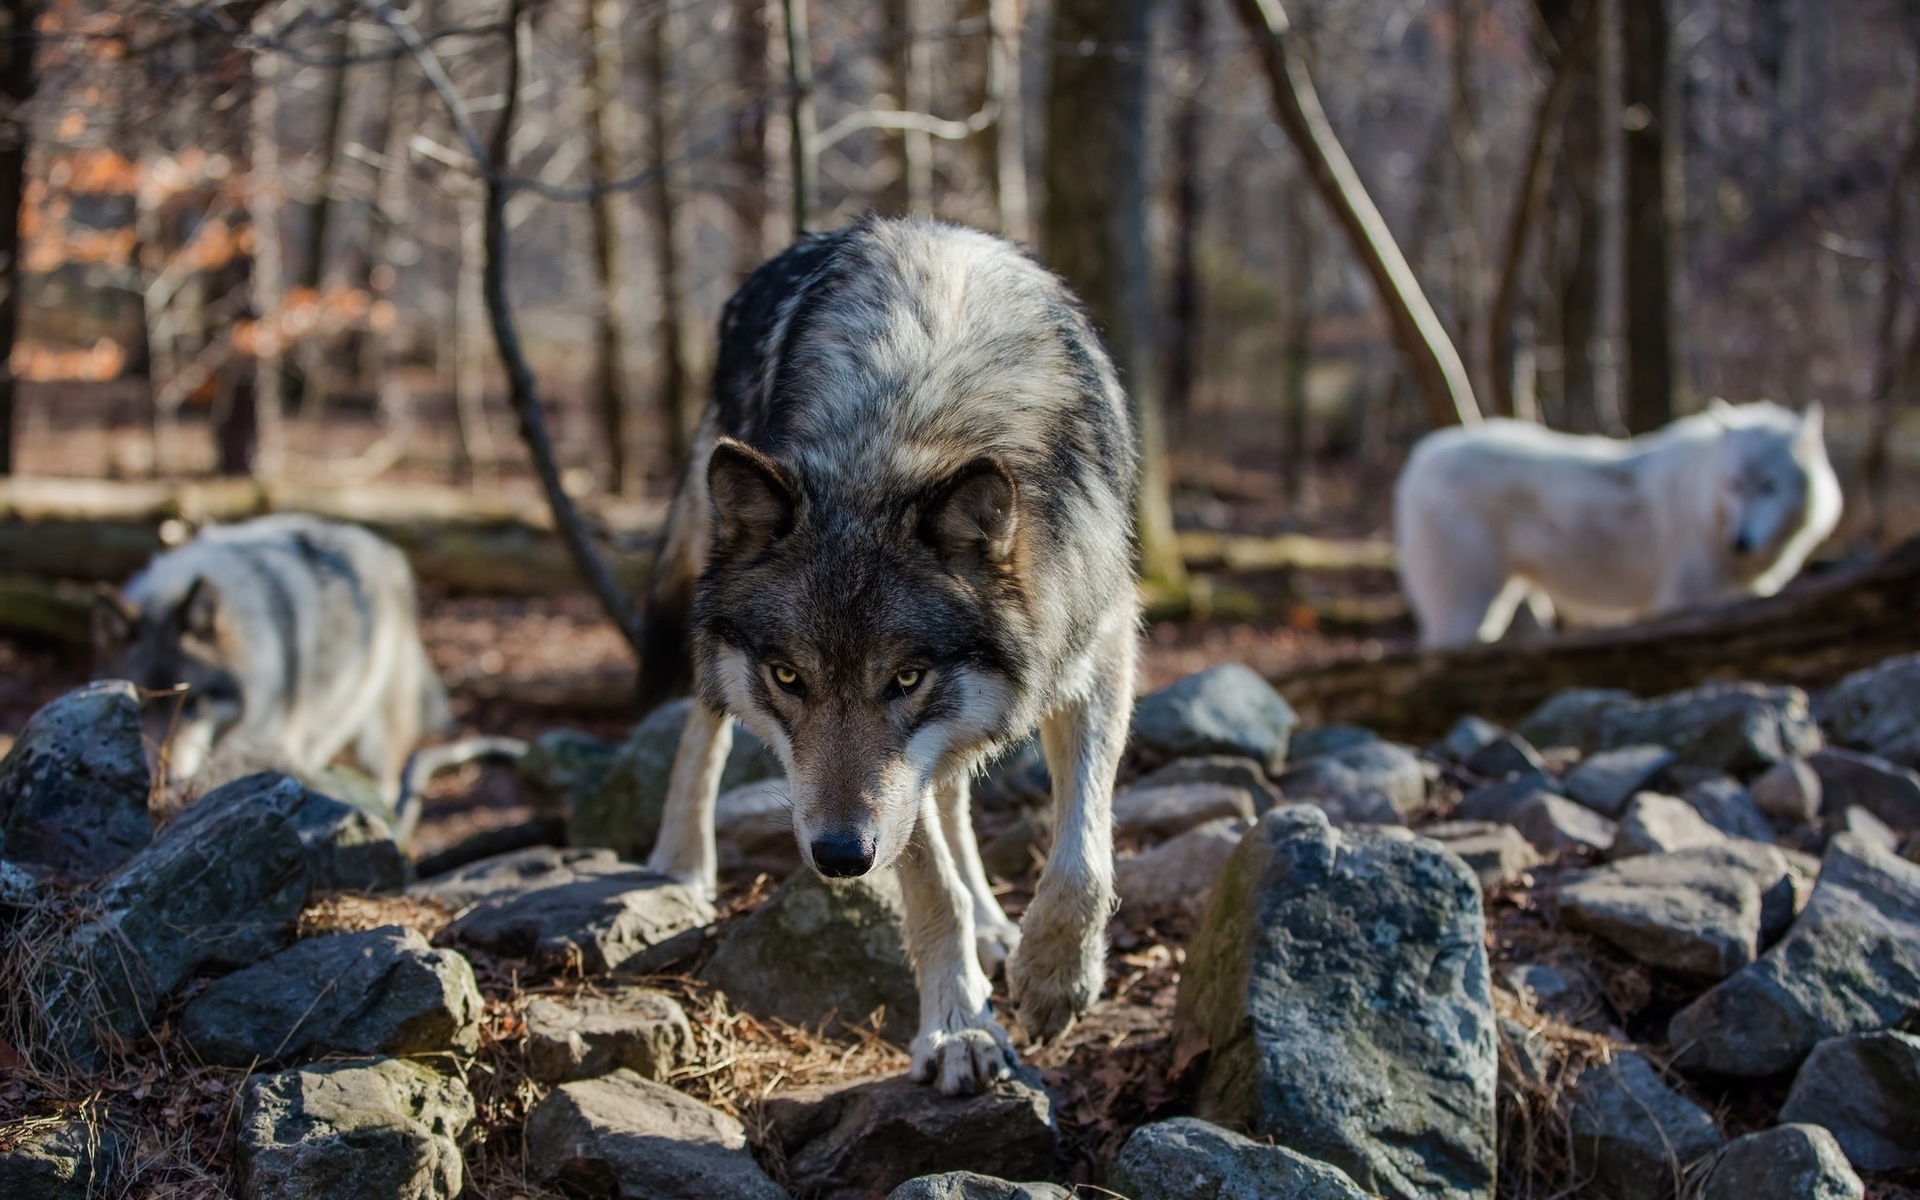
x,y
1633,948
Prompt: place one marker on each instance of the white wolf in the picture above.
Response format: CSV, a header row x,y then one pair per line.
x,y
1719,505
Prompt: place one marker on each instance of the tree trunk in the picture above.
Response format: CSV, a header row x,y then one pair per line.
x,y
391,210
1297,287
1006,22
1648,286
909,69
473,441
802,121
1810,635
1430,355
1095,228
601,25
1465,260
16,88
675,417
1576,280
749,195
1889,375
312,356
263,395
1183,342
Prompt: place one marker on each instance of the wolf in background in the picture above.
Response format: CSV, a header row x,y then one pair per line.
x,y
295,639
903,542
1723,504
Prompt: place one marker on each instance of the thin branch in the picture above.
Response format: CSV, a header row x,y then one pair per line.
x,y
882,118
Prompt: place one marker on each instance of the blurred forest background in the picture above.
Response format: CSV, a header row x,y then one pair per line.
x,y
288,241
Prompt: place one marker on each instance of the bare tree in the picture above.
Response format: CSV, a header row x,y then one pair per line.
x,y
1005,23
749,191
1297,318
671,335
909,62
16,88
311,358
802,121
1094,226
1183,342
601,25
1647,240
1894,365
1429,353
1576,201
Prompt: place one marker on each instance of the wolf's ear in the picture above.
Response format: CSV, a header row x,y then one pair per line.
x,y
751,498
1813,422
113,619
199,609
972,519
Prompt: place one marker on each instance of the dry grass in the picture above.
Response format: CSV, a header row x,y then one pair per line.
x,y
1537,1072
347,912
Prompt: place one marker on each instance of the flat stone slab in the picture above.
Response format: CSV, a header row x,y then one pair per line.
x,y
966,1185
823,952
385,991
585,1036
1734,727
1866,1091
1186,1157
859,1140
73,789
1798,1161
1850,964
1339,983
354,1130
1606,781
594,912
1728,807
1701,911
1885,789
1875,710
1498,854
1154,814
1554,825
1228,709
1178,873
1656,824
624,1135
61,1160
1635,1138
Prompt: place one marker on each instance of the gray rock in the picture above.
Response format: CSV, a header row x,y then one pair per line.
x,y
67,1160
18,887
73,789
1374,783
1734,727
594,912
378,1129
1017,778
1154,814
1225,769
1864,825
1866,1091
1468,735
1226,709
823,952
1656,824
1635,1138
1554,825
1728,807
1339,981
218,889
348,848
861,1139
753,830
1850,964
385,991
580,1037
625,1135
1501,802
1189,1159
965,1185
518,872
1789,791
1572,717
1888,791
620,808
1505,756
1176,873
1607,781
1497,854
1802,1162
1569,994
1327,739
1700,911
1878,710
562,765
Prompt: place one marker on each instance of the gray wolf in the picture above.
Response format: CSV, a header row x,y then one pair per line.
x,y
292,640
904,542
1723,504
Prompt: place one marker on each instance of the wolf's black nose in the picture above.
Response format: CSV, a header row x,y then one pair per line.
x,y
843,856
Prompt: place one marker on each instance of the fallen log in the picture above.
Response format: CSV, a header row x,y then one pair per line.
x,y
1809,635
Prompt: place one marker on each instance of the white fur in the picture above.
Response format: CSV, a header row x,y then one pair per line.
x,y
1723,504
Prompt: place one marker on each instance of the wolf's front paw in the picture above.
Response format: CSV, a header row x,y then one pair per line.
x,y
1050,991
995,945
962,1062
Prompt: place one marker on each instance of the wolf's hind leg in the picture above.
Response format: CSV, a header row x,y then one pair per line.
x,y
994,934
685,848
1056,973
960,1048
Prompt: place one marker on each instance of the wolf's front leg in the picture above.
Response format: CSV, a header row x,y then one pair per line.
x,y
960,1049
994,935
685,850
1056,973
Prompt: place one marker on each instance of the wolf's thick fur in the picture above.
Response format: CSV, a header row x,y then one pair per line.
x,y
903,543
1726,503
294,637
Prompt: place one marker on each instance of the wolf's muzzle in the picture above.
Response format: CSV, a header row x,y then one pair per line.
x,y
843,856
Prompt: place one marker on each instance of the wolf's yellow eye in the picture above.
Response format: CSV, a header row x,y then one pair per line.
x,y
786,677
907,680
